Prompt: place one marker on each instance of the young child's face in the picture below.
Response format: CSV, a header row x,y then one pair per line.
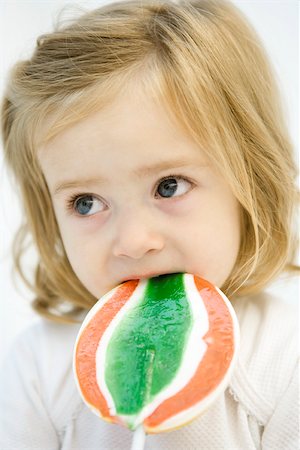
x,y
135,197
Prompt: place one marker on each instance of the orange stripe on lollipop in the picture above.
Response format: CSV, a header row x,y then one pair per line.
x,y
213,365
88,344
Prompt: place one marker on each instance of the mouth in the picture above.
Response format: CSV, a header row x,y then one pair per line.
x,y
145,275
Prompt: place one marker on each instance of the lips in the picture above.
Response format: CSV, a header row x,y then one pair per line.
x,y
146,275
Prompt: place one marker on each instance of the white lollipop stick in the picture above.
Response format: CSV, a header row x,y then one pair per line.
x,y
139,438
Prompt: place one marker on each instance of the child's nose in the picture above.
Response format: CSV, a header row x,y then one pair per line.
x,y
137,235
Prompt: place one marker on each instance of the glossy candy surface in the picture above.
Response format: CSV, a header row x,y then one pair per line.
x,y
156,352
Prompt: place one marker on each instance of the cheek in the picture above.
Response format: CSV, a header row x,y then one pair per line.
x,y
86,255
226,240
78,257
88,267
78,246
211,244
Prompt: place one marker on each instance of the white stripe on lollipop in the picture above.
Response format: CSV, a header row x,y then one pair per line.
x,y
194,351
100,355
191,413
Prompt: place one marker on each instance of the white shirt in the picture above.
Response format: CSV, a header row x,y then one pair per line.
x,y
41,409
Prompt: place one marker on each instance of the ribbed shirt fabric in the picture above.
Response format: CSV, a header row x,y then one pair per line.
x,y
41,409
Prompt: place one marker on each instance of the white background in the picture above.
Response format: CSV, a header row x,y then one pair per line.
x,y
22,21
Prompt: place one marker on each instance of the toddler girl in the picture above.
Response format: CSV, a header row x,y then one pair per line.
x,y
147,137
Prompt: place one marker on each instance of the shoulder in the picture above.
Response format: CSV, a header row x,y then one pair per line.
x,y
268,325
40,362
268,353
45,342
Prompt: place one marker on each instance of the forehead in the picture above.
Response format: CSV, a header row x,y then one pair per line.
x,y
132,131
63,112
130,116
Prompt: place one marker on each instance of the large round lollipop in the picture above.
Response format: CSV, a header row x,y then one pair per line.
x,y
156,352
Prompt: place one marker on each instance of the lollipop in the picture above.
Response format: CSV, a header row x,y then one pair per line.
x,y
155,353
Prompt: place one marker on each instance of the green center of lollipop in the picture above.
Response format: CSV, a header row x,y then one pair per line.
x,y
146,349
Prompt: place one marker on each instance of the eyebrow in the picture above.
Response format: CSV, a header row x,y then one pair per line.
x,y
139,173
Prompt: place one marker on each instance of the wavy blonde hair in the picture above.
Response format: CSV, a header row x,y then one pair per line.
x,y
206,63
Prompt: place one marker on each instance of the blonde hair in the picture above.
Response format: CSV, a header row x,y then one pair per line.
x,y
203,60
